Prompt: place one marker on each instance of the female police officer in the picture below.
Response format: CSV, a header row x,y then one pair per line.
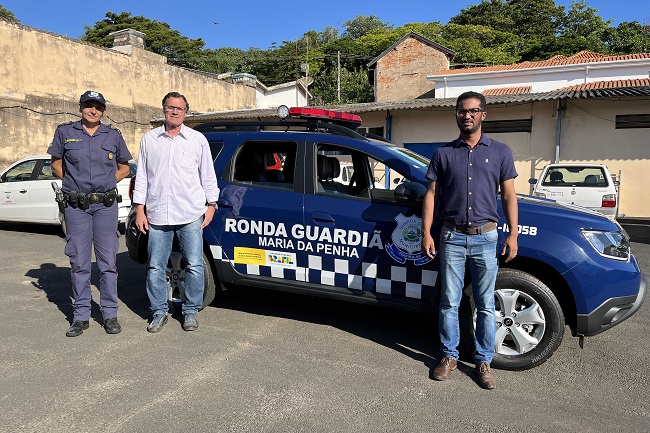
x,y
91,158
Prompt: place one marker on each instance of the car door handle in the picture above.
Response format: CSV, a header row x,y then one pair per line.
x,y
323,217
224,203
23,191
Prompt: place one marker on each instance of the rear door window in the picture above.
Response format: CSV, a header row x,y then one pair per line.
x,y
575,176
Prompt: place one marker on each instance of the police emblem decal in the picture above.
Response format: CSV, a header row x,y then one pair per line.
x,y
407,239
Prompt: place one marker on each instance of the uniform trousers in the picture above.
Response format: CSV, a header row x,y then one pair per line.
x,y
95,226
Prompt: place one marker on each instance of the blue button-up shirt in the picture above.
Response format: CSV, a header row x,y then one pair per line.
x,y
469,180
175,176
89,162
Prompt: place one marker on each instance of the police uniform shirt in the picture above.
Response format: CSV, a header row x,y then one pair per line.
x,y
469,179
89,162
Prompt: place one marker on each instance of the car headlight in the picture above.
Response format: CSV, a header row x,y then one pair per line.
x,y
613,245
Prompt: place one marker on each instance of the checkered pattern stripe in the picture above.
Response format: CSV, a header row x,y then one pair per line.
x,y
385,277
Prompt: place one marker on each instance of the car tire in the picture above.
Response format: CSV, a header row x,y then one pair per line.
x,y
530,322
176,278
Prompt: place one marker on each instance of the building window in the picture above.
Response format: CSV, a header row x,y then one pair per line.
x,y
630,121
522,125
368,131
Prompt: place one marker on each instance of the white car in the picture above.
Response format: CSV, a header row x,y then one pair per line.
x,y
28,197
587,185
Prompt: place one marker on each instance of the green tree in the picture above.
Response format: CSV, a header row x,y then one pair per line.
x,y
535,19
7,15
496,14
627,38
480,44
159,37
354,88
362,25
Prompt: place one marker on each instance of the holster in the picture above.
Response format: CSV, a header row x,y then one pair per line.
x,y
73,199
109,198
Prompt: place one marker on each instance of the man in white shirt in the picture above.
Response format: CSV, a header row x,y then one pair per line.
x,y
174,181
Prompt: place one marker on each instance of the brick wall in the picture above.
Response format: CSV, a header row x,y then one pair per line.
x,y
401,74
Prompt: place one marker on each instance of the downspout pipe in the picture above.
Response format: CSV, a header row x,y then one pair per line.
x,y
389,126
561,107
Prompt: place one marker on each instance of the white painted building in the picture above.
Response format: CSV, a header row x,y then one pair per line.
x,y
549,75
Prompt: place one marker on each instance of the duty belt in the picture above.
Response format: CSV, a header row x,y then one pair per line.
x,y
466,230
81,200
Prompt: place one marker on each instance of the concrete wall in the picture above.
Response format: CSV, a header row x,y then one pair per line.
x,y
44,74
402,73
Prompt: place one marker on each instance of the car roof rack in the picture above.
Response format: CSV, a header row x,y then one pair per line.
x,y
279,125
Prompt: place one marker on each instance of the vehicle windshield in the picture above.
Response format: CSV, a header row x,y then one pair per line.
x,y
415,160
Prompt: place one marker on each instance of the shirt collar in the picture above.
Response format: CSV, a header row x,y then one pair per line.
x,y
79,126
485,140
182,133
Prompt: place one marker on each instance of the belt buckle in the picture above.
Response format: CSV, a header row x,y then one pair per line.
x,y
93,198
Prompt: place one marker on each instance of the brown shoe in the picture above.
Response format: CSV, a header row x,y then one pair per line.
x,y
485,376
444,369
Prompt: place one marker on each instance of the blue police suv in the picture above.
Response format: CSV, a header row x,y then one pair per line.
x,y
288,220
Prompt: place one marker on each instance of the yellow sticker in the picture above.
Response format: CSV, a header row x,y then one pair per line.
x,y
110,155
250,256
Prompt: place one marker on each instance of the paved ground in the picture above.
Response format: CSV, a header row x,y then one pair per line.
x,y
274,362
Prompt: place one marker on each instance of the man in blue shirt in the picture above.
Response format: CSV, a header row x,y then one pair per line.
x,y
175,180
91,158
464,179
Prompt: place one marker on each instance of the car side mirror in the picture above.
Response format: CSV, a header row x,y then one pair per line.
x,y
410,191
532,181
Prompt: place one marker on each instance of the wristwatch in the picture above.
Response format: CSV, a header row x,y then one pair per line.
x,y
214,205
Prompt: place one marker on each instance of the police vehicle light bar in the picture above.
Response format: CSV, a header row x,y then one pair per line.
x,y
318,113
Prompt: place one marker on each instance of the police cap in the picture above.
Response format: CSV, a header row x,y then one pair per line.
x,y
91,95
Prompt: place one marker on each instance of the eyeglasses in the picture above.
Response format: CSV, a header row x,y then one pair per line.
x,y
170,108
472,112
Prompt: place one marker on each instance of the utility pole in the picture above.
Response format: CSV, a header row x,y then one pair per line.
x,y
297,73
338,76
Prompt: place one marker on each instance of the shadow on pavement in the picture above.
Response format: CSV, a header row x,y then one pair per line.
x,y
131,278
414,334
54,281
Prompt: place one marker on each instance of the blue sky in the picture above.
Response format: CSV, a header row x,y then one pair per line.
x,y
255,23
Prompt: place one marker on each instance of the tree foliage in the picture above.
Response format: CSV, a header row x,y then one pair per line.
x,y
362,25
159,37
7,15
487,33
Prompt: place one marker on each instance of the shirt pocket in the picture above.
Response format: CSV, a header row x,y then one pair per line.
x,y
72,151
189,159
109,154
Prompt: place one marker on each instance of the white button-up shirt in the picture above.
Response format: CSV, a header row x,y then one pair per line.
x,y
175,176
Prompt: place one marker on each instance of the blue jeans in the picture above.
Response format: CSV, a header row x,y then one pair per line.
x,y
190,238
480,252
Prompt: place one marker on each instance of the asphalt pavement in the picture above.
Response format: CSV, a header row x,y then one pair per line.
x,y
265,361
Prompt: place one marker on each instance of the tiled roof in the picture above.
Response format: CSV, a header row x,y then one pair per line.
x,y
507,90
578,58
608,84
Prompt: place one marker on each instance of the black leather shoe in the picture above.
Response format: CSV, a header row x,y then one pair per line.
x,y
112,326
77,328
